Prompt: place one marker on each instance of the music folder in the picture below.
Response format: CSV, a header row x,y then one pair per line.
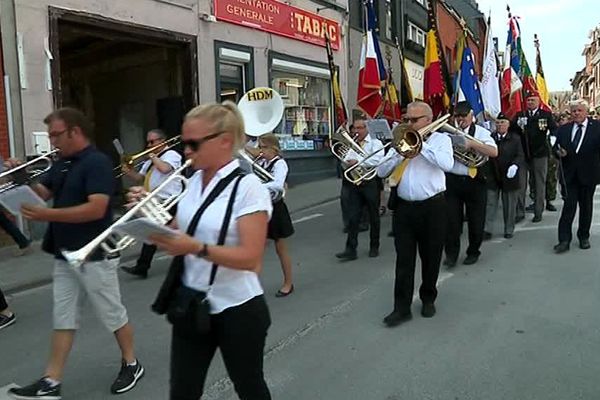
x,y
13,199
142,228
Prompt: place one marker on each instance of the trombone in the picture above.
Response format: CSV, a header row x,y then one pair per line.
x,y
150,206
135,160
25,173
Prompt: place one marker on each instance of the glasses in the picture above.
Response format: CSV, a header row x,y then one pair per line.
x,y
412,120
55,135
195,144
152,141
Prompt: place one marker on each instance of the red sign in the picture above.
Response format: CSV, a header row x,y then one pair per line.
x,y
280,19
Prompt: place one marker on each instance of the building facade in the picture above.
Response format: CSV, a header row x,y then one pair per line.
x,y
586,82
135,65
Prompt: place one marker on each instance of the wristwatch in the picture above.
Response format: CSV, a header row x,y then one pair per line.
x,y
204,252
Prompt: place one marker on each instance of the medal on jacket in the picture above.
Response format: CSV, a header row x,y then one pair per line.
x,y
543,124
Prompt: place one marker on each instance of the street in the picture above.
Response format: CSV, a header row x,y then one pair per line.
x,y
521,324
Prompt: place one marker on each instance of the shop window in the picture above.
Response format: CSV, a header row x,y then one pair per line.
x,y
306,93
235,72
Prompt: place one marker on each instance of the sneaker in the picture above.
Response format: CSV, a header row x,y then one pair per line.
x,y
21,251
127,378
41,389
6,321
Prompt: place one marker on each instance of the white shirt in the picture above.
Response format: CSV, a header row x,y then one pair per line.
x,y
172,158
231,287
424,175
483,135
370,146
583,130
280,172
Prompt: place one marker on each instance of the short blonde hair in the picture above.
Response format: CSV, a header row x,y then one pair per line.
x,y
271,141
225,117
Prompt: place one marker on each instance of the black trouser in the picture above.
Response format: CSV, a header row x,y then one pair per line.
x,y
583,196
147,254
418,225
13,231
357,197
461,192
239,333
3,303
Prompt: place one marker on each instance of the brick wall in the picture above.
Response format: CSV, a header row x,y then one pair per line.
x,y
4,144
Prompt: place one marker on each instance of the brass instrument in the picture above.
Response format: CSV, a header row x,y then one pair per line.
x,y
151,206
135,160
26,173
407,142
342,143
468,157
264,175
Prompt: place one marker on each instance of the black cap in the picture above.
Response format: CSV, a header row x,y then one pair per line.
x,y
501,115
462,108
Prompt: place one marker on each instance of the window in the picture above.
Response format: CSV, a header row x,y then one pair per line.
x,y
416,34
422,2
235,72
388,29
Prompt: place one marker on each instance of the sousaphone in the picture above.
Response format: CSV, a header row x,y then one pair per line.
x,y
262,109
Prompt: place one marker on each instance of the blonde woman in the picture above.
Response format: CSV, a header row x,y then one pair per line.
x,y
217,261
280,225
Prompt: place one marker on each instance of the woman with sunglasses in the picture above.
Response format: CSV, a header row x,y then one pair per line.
x,y
238,315
280,225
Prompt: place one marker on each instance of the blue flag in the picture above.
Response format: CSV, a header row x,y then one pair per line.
x,y
469,85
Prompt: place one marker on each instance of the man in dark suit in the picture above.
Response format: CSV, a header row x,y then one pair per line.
x,y
578,146
536,124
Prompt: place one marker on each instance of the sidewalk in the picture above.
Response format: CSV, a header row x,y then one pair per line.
x,y
35,269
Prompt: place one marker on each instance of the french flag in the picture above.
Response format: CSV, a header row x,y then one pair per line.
x,y
372,69
511,84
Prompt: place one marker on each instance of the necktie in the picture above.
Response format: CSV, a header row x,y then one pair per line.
x,y
396,176
577,137
147,179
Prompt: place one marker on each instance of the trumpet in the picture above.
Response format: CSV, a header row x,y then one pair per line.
x,y
151,206
342,145
135,160
264,175
27,172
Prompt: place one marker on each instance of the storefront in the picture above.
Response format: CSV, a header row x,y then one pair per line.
x,y
295,62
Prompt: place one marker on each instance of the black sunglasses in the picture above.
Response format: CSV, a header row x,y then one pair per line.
x,y
415,119
195,144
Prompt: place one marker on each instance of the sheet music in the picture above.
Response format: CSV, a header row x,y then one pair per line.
x,y
379,129
142,228
13,199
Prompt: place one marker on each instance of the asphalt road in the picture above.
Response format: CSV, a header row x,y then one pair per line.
x,y
522,324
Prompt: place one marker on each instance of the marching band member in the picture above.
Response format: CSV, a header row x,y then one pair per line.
x,y
81,183
465,188
419,216
152,173
225,215
503,178
280,225
364,194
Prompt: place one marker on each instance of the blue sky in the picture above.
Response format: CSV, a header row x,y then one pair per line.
x,y
562,27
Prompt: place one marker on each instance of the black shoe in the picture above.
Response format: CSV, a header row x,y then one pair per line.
x,y
471,259
284,294
391,234
346,229
487,236
508,236
450,262
363,228
537,218
395,318
347,255
550,207
428,310
530,208
584,244
38,390
373,252
562,247
137,271
6,321
519,219
128,377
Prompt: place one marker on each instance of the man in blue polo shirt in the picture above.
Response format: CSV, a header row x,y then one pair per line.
x,y
81,183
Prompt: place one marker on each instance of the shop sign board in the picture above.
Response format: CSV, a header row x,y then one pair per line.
x,y
280,19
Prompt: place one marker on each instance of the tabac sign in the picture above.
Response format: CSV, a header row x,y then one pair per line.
x,y
280,19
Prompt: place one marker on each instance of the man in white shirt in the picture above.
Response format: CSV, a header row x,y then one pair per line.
x,y
419,216
153,173
466,189
365,193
